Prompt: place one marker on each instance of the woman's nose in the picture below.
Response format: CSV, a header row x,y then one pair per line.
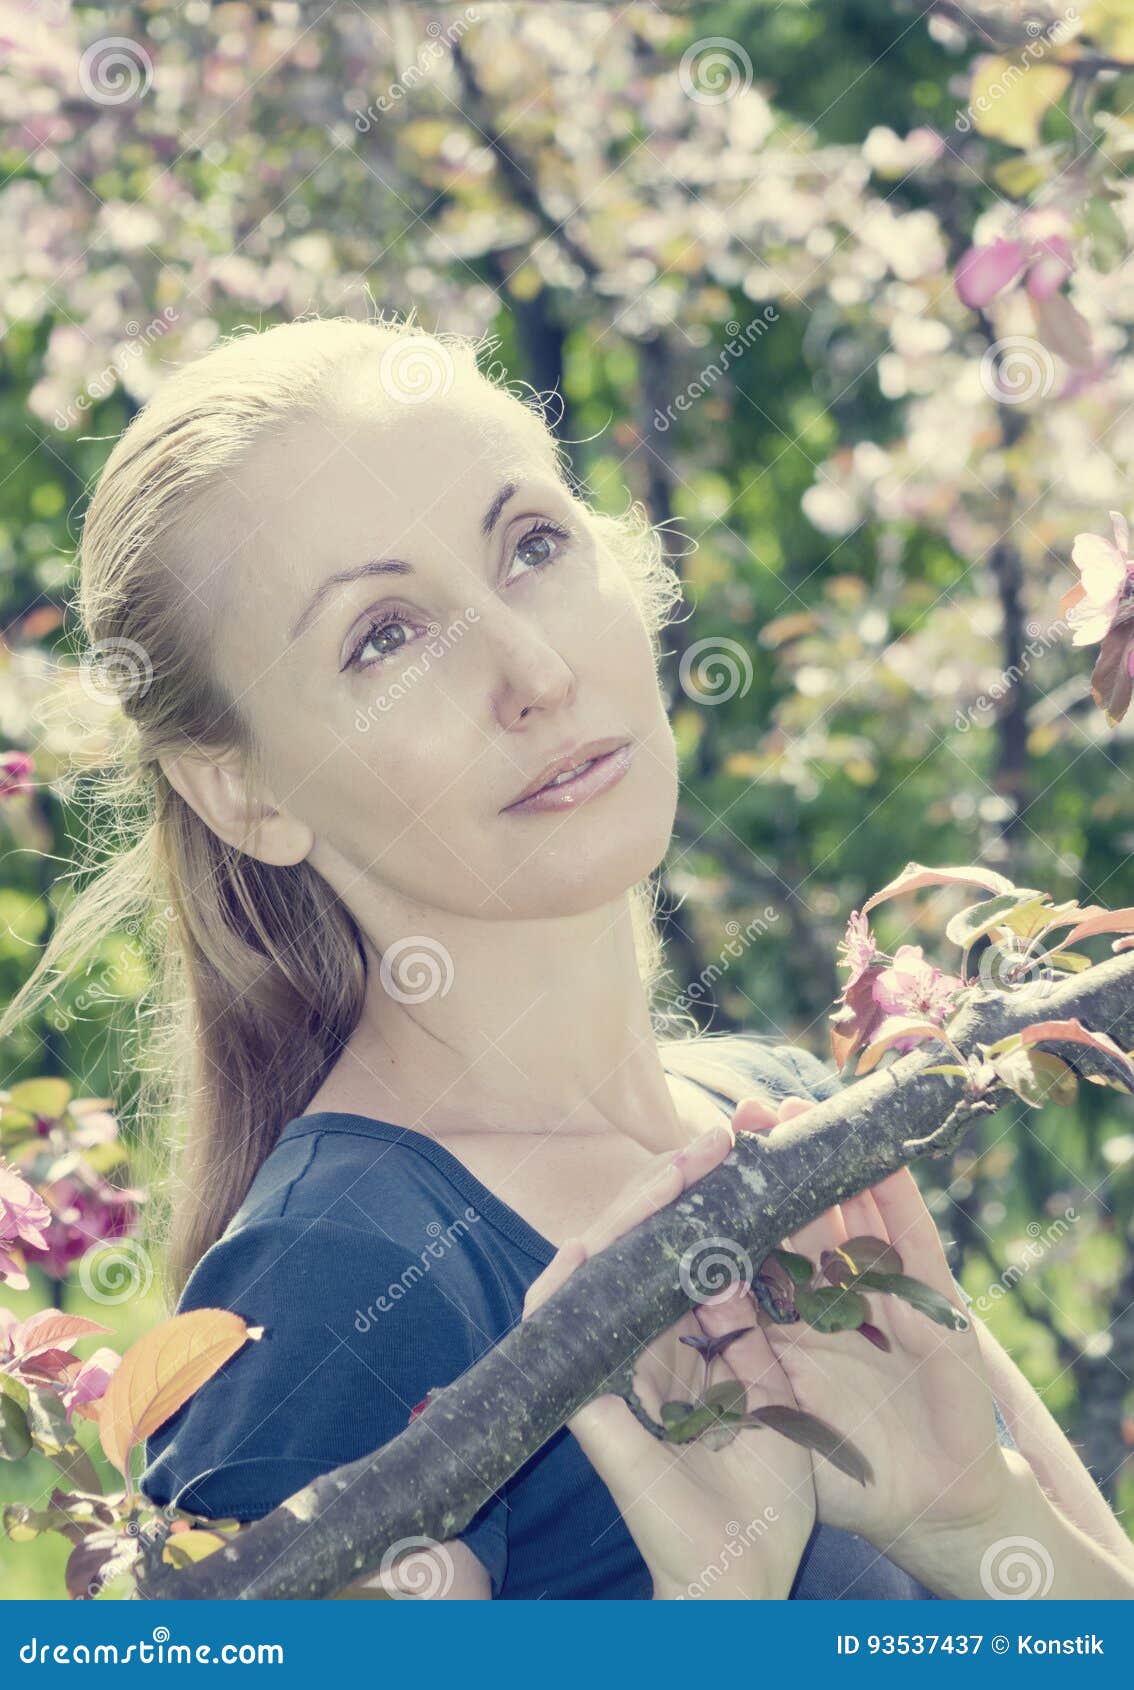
x,y
531,673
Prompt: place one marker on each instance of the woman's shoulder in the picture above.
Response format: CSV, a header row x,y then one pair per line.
x,y
338,1170
737,1065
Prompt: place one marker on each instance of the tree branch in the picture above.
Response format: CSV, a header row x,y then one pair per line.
x,y
478,1431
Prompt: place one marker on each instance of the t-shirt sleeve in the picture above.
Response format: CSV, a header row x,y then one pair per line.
x,y
355,1335
819,1079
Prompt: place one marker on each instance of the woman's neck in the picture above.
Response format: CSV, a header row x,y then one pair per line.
x,y
536,1027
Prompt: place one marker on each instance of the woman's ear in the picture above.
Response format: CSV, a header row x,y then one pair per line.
x,y
214,784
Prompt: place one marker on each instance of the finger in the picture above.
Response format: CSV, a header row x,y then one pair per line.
x,y
863,1218
753,1115
914,1232
659,1185
626,1457
570,1255
826,1232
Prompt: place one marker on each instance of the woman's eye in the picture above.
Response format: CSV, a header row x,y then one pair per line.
x,y
540,545
386,638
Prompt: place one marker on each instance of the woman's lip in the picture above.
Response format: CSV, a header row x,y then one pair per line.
x,y
604,772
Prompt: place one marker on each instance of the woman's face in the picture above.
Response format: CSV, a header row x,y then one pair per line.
x,y
421,620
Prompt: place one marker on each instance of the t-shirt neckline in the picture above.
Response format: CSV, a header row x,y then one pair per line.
x,y
486,1202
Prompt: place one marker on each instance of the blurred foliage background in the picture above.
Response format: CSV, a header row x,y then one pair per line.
x,y
871,495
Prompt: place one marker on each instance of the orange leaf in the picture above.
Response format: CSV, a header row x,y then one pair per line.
x,y
1073,1032
50,1330
162,1371
894,1028
1102,921
915,875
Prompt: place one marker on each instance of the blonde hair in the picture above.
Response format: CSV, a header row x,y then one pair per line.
x,y
257,971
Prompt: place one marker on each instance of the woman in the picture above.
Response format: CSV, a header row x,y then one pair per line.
x,y
404,772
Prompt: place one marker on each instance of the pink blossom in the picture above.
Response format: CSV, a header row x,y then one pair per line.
x,y
85,1210
15,768
914,986
89,1381
1106,582
859,948
23,1214
1043,259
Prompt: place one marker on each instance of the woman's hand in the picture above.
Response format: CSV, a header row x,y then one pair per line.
x,y
729,1523
922,1413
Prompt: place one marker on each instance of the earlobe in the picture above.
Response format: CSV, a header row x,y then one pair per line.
x,y
214,786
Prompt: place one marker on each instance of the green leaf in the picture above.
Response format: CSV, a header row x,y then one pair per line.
x,y
46,1098
674,1411
15,1439
688,1427
816,1435
1106,234
972,923
798,1269
1071,962
47,1420
920,1296
830,1308
1038,1077
866,1252
730,1396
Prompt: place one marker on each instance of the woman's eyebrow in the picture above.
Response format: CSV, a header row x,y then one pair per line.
x,y
387,566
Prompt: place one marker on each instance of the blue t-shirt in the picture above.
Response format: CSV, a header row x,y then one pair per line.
x,y
380,1267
